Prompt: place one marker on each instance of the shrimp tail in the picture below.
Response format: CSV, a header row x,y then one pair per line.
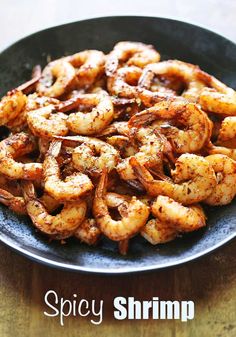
x,y
28,190
102,185
140,171
141,119
5,197
54,148
16,204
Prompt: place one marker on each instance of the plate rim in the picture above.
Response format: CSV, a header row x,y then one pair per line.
x,y
112,271
122,270
190,23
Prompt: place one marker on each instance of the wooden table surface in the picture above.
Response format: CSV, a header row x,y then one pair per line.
x,y
210,281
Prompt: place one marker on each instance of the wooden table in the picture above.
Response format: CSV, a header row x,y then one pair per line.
x,y
210,282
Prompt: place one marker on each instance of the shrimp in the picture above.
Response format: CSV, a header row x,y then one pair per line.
x,y
10,185
132,220
72,188
46,124
120,128
93,155
124,83
11,106
153,147
16,146
60,226
132,53
85,156
186,72
193,179
171,218
179,217
95,121
30,85
123,145
115,200
88,232
43,146
15,203
189,114
123,247
19,124
212,82
228,129
156,232
213,149
89,66
217,102
225,170
65,76
34,102
50,203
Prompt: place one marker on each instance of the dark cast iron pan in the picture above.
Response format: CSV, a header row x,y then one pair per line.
x,y
173,39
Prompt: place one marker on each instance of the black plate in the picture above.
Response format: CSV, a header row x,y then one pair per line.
x,y
173,39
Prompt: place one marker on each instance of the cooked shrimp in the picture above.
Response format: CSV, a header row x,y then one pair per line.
x,y
228,129
43,145
93,155
15,203
156,232
193,179
95,121
10,185
59,226
152,148
89,66
124,83
45,123
132,53
88,232
36,71
72,188
118,128
133,219
123,145
123,246
18,124
212,82
171,218
179,217
17,146
30,85
49,202
188,114
217,102
65,76
213,149
34,102
11,106
186,72
116,200
225,170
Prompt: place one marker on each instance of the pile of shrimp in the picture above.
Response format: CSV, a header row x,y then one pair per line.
x,y
118,145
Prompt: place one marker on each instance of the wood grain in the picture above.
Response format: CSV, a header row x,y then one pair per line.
x,y
210,282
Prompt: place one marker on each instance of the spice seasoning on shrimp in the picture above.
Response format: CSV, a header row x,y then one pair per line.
x,y
117,146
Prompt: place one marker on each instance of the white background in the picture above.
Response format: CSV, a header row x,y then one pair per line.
x,y
19,18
